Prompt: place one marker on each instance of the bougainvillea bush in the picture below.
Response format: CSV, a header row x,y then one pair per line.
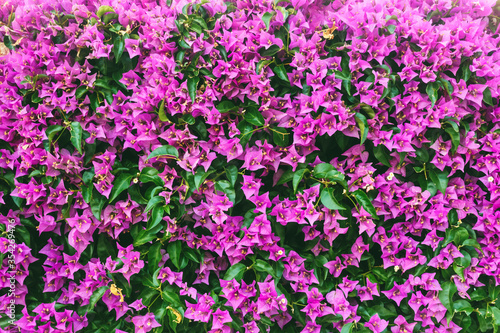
x,y
249,166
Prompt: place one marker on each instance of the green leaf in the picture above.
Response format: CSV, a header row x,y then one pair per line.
x,y
262,64
118,47
150,175
328,199
200,176
363,126
297,177
487,97
271,51
192,84
103,10
263,266
496,315
235,272
143,237
253,116
455,138
460,234
266,18
280,71
381,154
156,217
166,150
154,257
343,76
440,178
8,42
98,201
174,250
120,184
52,130
280,136
364,201
153,202
80,91
285,177
432,91
161,111
347,328
96,296
473,243
446,85
232,173
226,187
322,169
226,106
76,136
171,296
446,295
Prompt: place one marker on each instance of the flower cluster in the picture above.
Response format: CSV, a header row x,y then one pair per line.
x,y
249,166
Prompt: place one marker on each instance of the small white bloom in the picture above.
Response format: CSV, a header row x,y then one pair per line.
x,y
390,176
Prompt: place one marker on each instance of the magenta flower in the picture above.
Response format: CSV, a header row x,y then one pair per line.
x,y
376,324
145,323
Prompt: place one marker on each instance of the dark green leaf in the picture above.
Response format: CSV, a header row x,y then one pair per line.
x,y
97,203
200,176
120,184
149,174
166,150
297,177
76,136
281,72
154,201
156,217
322,169
440,178
381,154
347,328
262,64
192,84
232,174
364,201
118,47
272,50
154,257
328,199
253,116
226,106
455,138
473,243
446,85
460,234
144,236
363,126
262,266
487,97
52,130
96,296
432,91
446,294
226,187
280,136
174,250
235,272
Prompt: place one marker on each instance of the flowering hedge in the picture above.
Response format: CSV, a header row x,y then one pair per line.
x,y
249,166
